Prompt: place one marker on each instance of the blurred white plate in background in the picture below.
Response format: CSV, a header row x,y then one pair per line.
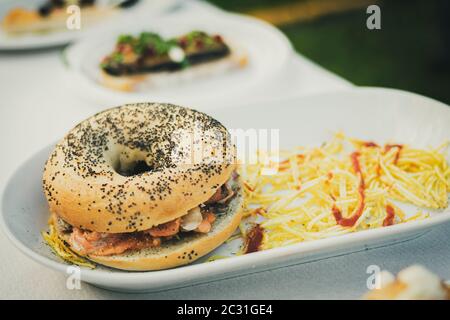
x,y
61,37
372,114
267,49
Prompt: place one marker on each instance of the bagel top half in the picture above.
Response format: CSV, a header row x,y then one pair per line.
x,y
136,166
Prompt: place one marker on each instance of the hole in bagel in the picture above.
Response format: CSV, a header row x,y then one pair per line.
x,y
134,168
129,162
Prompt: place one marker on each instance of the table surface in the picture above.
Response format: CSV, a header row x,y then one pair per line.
x,y
39,115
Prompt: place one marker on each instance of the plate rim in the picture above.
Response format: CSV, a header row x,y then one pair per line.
x,y
193,271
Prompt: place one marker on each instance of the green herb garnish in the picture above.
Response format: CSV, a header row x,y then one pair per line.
x,y
125,39
117,57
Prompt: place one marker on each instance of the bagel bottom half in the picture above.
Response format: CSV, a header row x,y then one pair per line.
x,y
176,252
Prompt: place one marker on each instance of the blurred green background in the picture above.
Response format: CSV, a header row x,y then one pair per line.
x,y
410,52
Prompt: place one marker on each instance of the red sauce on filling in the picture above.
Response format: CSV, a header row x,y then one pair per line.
x,y
350,222
390,215
254,239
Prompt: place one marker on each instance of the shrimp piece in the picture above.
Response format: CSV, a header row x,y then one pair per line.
x,y
79,242
206,224
166,229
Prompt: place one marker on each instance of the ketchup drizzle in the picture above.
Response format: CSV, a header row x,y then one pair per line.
x,y
390,215
399,149
350,222
254,239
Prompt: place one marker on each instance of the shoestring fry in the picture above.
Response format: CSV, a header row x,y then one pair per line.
x,y
343,186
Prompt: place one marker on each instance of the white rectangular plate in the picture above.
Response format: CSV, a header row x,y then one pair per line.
x,y
367,113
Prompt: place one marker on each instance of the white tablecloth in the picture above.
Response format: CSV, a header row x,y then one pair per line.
x,y
37,107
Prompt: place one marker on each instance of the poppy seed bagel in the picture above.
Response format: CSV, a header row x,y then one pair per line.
x,y
136,166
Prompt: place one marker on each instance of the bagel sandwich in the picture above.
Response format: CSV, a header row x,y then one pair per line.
x,y
144,186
